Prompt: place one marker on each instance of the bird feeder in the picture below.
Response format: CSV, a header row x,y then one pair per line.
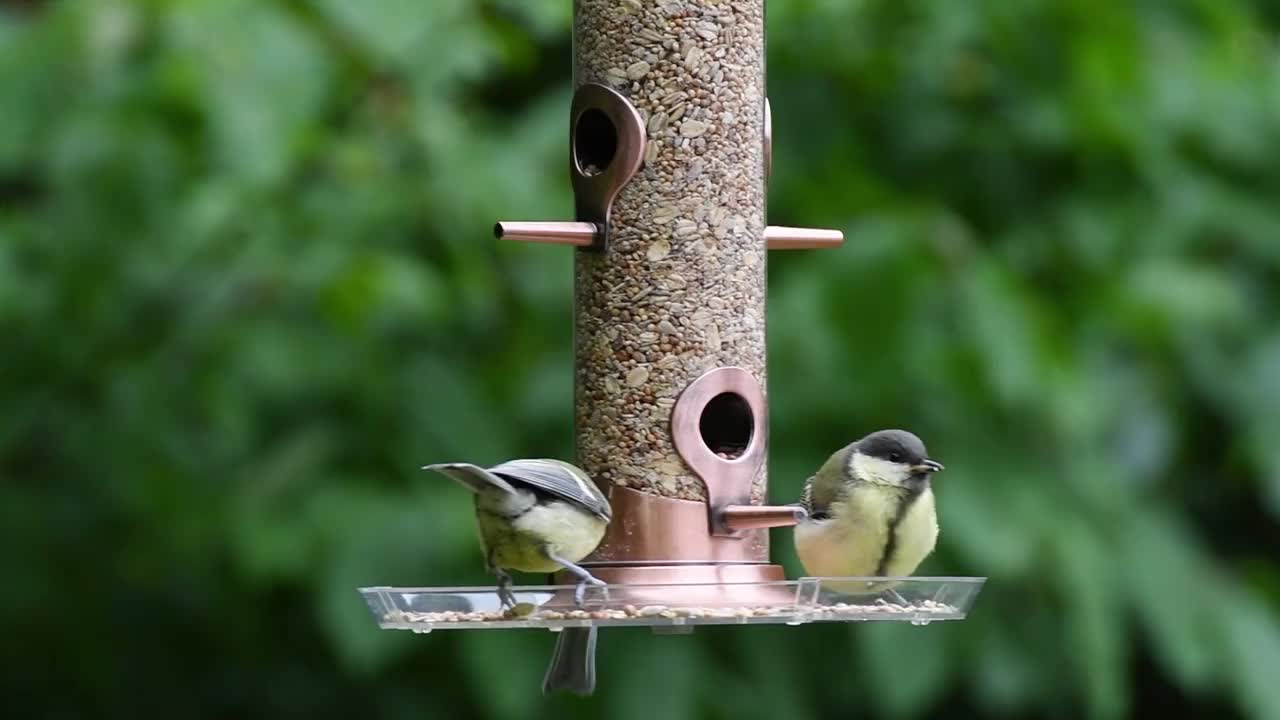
x,y
669,157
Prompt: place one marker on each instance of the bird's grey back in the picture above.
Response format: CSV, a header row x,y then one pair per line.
x,y
559,479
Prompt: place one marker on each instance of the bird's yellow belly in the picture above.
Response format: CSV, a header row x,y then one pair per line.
x,y
916,535
853,542
526,543
828,549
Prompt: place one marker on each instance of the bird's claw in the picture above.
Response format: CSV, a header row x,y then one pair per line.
x,y
580,591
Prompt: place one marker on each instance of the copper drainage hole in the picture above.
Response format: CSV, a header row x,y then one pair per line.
x,y
726,425
595,141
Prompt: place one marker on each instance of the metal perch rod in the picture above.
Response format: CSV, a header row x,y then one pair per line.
x,y
584,234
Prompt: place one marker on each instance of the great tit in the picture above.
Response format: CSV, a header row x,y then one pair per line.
x,y
538,516
871,509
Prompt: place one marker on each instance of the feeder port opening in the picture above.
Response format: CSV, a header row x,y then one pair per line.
x,y
595,142
726,425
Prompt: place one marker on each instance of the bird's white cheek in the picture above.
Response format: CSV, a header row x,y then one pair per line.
x,y
879,470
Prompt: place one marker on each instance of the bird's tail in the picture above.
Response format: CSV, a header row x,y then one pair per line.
x,y
573,663
473,477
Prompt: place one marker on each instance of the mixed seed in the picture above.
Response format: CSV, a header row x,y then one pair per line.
x,y
681,289
664,612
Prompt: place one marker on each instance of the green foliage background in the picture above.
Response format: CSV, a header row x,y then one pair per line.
x,y
247,287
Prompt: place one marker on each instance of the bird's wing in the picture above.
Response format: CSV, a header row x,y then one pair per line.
x,y
561,479
474,477
815,509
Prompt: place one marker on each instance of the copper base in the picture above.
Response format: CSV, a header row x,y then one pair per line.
x,y
690,574
653,530
659,551
698,585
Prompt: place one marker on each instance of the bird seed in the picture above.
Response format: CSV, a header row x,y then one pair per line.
x,y
690,224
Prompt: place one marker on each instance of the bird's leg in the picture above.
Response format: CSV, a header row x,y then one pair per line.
x,y
505,597
898,598
584,578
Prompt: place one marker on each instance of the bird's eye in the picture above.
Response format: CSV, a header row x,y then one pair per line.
x,y
895,456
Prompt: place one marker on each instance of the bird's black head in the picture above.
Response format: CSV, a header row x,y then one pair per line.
x,y
900,449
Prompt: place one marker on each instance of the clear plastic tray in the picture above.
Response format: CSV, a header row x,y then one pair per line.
x,y
678,608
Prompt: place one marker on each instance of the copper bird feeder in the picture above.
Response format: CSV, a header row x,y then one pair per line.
x,y
669,155
656,539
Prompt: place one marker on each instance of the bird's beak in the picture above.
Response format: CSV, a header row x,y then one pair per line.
x,y
929,466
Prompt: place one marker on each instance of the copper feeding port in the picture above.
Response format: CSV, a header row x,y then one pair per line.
x,y
736,518
724,410
606,143
580,234
777,237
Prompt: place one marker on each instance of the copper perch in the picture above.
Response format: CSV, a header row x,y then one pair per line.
x,y
581,234
584,234
754,517
790,238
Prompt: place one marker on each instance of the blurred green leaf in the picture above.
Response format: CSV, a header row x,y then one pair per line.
x,y
1173,595
900,694
1252,635
1094,631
